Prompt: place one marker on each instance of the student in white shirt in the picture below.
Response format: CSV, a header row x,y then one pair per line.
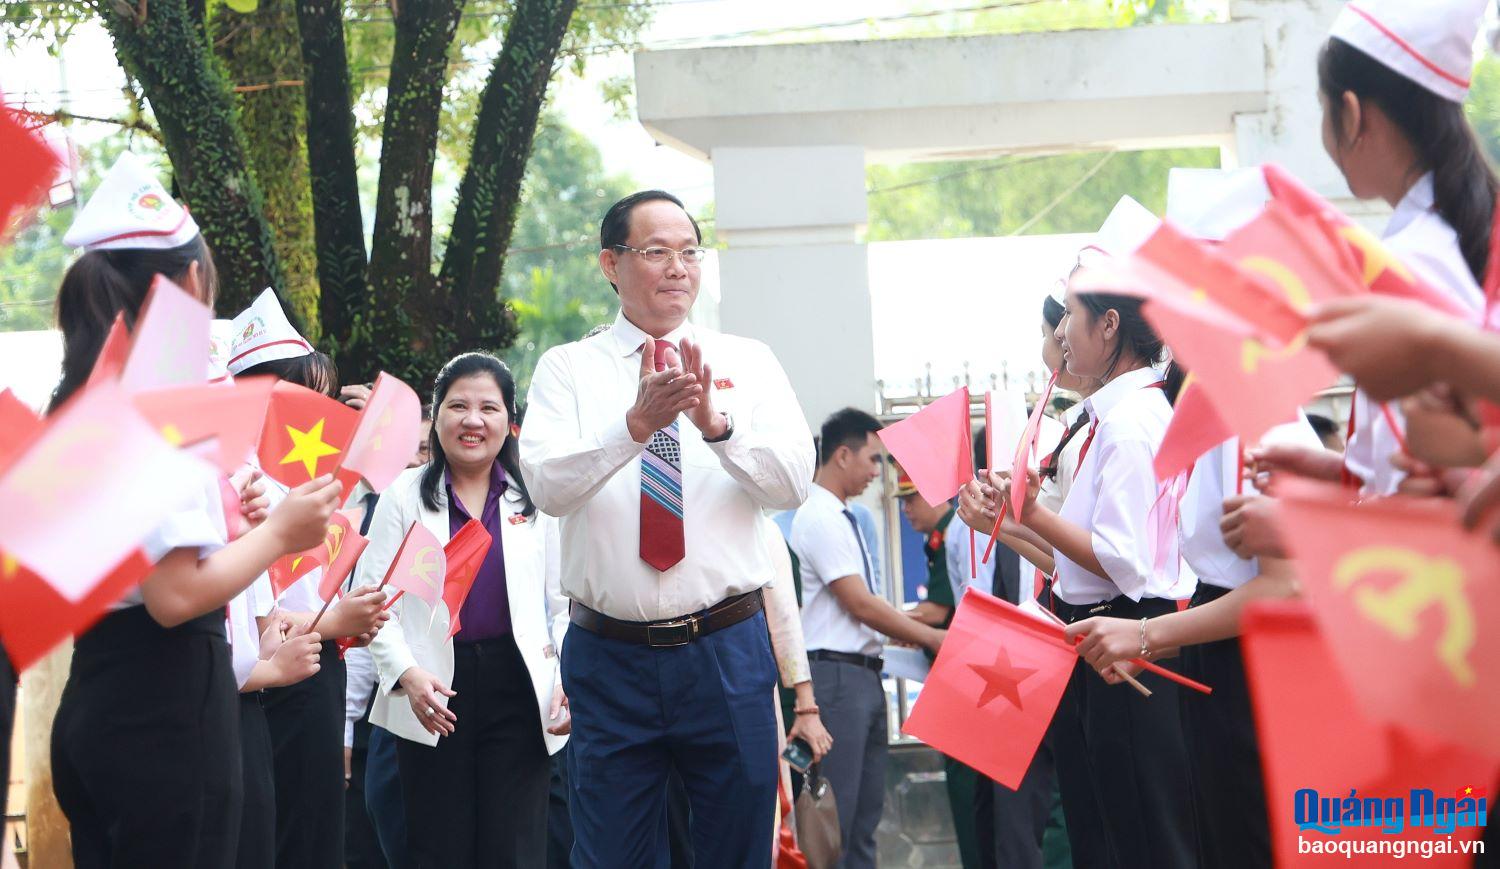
x,y
659,465
145,745
843,619
305,718
1021,817
1219,728
1392,80
1110,561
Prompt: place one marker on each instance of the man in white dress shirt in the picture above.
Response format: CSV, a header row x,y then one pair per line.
x,y
843,618
659,444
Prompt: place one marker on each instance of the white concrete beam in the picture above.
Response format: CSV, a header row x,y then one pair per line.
x,y
953,97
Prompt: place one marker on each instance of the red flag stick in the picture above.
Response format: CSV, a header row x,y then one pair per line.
x,y
320,614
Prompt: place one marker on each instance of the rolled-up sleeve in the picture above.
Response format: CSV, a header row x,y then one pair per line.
x,y
770,454
1121,523
564,466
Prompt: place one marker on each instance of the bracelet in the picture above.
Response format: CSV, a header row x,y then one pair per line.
x,y
806,710
1145,652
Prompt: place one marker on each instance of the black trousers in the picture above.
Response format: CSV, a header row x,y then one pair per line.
x,y
307,739
479,797
1137,765
1224,753
145,745
257,849
7,716
361,843
1010,824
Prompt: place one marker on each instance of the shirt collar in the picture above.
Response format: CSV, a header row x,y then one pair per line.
x,y
943,523
1113,392
498,483
629,337
1417,202
823,493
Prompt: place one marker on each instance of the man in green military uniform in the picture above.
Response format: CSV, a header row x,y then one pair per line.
x,y
937,611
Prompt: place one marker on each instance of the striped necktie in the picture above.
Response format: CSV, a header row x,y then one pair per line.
x,y
863,552
662,544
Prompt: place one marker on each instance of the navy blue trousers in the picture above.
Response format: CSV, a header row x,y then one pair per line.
x,y
706,710
383,798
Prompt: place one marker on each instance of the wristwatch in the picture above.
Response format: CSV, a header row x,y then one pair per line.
x,y
728,431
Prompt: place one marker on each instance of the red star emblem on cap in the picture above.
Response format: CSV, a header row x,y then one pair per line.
x,y
1001,679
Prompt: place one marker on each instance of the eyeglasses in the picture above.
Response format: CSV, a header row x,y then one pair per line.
x,y
690,256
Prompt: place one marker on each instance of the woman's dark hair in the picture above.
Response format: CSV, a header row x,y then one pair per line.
x,y
1463,184
1052,312
1173,380
104,283
459,367
1136,335
315,370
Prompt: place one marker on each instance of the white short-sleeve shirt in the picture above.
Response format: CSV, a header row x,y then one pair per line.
x,y
956,555
197,524
1421,239
828,545
242,630
1114,492
1214,479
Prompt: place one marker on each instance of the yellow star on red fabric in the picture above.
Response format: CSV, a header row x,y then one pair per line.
x,y
308,447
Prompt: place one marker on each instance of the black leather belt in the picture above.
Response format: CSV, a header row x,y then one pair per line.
x,y
670,632
871,662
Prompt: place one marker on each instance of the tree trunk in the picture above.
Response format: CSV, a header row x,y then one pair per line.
x,y
261,48
48,842
406,319
337,217
490,192
167,52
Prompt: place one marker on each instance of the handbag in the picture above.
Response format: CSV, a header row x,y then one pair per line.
x,y
817,816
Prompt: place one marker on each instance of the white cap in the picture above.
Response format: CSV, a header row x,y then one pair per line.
x,y
131,210
262,333
1128,226
1430,42
1212,203
220,338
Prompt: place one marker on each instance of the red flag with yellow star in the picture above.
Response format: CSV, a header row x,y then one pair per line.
x,y
419,566
1317,745
85,493
386,438
465,553
34,618
305,435
1405,595
993,688
231,413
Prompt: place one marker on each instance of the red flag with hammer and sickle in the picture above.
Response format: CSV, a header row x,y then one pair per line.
x,y
465,553
387,434
419,566
1404,594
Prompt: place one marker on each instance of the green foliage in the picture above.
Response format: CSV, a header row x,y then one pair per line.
x,y
552,275
1027,194
1483,106
258,45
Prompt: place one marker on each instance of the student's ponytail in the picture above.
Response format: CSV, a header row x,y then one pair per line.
x,y
104,283
1464,185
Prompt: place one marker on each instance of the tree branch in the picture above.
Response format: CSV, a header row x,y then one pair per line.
x,y
490,192
136,124
338,221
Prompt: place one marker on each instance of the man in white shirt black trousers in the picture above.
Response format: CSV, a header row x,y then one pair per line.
x,y
659,445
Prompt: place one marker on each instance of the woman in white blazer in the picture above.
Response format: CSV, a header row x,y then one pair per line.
x,y
478,714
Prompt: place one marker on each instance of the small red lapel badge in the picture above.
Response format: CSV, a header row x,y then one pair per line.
x,y
518,519
723,383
